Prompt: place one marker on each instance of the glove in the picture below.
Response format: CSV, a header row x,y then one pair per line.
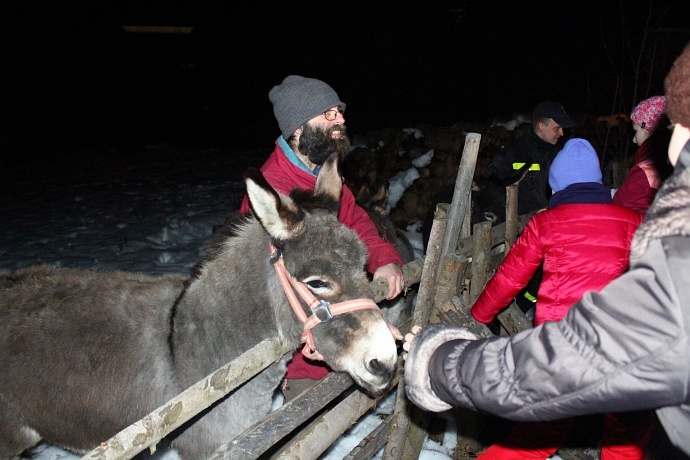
x,y
422,348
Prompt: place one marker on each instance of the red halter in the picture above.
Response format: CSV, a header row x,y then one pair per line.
x,y
322,311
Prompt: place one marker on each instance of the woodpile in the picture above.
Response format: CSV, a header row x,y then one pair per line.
x,y
377,156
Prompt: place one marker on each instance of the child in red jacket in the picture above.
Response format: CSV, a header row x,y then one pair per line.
x,y
650,166
583,242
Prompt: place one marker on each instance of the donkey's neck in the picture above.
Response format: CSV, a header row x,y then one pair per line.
x,y
235,294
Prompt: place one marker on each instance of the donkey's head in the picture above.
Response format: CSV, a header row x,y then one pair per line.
x,y
324,259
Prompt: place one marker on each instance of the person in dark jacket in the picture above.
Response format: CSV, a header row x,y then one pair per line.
x,y
622,349
583,240
531,156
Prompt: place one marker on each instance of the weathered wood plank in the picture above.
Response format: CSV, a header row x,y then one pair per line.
x,y
260,437
449,278
155,426
512,223
498,232
481,259
401,424
372,443
319,435
513,319
463,187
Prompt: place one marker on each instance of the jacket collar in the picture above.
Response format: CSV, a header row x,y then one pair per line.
x,y
292,156
541,145
584,192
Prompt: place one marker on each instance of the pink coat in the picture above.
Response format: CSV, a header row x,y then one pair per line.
x,y
583,247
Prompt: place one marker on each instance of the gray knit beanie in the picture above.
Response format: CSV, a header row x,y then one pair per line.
x,y
299,99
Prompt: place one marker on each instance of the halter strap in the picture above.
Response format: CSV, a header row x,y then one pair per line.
x,y
322,311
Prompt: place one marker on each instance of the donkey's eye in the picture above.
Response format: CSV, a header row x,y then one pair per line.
x,y
318,284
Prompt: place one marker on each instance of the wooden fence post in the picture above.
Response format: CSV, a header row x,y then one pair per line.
x,y
512,318
481,259
463,188
511,217
452,269
405,437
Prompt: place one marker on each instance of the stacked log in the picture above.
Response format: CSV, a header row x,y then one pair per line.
x,y
381,154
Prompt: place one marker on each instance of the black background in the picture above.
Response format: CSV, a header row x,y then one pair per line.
x,y
71,77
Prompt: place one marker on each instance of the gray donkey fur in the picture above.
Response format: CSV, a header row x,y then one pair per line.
x,y
83,354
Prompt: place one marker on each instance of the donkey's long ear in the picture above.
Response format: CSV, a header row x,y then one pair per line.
x,y
279,215
329,183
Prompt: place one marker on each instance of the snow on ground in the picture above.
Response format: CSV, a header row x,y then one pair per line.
x,y
150,212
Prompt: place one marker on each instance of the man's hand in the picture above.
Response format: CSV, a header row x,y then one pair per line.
x,y
394,275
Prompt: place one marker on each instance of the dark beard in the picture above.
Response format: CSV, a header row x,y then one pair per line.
x,y
318,144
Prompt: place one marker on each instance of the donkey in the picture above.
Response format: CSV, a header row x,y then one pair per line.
x,y
85,354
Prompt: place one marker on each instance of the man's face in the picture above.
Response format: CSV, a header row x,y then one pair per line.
x,y
550,131
320,138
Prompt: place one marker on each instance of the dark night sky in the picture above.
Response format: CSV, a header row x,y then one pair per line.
x,y
71,76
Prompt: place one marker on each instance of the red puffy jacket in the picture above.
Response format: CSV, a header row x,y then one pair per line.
x,y
583,247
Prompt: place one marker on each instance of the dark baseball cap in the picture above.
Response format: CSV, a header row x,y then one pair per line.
x,y
555,111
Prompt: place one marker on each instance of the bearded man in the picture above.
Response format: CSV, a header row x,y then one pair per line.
x,y
312,123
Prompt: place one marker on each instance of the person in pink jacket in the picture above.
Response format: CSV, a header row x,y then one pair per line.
x,y
583,242
311,119
650,166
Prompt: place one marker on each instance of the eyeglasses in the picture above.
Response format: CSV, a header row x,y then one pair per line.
x,y
332,114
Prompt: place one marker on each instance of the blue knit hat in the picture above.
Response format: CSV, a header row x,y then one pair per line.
x,y
299,99
576,163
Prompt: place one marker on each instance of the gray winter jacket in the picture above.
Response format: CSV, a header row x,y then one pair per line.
x,y
626,348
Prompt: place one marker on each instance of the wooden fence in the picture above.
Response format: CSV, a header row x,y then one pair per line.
x,y
453,272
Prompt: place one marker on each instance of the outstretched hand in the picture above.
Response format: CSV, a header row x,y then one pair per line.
x,y
409,337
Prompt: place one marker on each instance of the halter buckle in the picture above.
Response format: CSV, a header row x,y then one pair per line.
x,y
322,312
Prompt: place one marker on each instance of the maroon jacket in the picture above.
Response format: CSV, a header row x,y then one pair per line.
x,y
641,184
583,247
